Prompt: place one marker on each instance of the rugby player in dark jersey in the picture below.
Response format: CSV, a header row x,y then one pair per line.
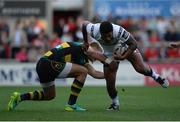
x,y
69,59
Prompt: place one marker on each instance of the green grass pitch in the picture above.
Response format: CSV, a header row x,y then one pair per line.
x,y
137,103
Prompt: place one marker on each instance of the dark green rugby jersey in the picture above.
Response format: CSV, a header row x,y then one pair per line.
x,y
68,52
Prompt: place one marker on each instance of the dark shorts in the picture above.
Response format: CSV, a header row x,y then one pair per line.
x,y
48,70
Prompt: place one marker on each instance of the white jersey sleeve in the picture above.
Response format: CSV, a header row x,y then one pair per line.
x,y
120,33
93,30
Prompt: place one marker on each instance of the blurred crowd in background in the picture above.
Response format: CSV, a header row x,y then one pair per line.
x,y
28,39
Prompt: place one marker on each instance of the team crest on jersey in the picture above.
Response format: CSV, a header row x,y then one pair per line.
x,y
57,66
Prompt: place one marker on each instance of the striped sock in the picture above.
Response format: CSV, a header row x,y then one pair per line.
x,y
36,95
75,90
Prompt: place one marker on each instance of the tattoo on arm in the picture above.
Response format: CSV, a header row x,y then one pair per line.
x,y
131,42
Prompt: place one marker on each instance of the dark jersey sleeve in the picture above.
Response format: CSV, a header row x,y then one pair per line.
x,y
68,52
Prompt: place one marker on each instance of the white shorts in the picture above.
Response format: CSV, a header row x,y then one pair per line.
x,y
65,72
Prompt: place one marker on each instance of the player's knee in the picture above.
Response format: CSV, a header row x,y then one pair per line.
x,y
83,71
82,74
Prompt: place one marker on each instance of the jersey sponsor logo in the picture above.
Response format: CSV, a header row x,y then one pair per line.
x,y
63,45
48,53
67,58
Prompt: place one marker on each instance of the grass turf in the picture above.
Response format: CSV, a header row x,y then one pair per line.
x,y
137,103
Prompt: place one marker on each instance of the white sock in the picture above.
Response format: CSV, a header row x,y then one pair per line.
x,y
154,75
116,100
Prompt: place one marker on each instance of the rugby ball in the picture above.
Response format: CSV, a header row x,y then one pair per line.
x,y
119,49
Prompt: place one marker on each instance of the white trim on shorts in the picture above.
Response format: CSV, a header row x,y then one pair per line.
x,y
64,73
45,85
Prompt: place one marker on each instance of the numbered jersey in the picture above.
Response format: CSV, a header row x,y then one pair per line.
x,y
120,35
68,52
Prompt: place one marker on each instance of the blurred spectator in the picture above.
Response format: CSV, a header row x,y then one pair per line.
x,y
55,40
111,18
29,28
19,38
173,52
163,51
96,18
67,37
162,25
152,24
78,34
59,28
71,25
172,34
41,41
4,27
152,53
33,54
128,24
143,35
143,23
5,48
153,37
22,55
39,25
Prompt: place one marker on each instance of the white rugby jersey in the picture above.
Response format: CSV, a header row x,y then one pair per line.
x,y
120,35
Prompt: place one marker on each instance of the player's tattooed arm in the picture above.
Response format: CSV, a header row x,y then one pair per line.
x,y
132,43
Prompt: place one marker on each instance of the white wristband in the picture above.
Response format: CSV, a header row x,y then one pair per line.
x,y
108,60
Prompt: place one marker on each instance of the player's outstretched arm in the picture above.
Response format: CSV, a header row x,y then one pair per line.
x,y
93,72
96,55
174,45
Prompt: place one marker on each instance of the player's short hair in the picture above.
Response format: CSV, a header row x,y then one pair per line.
x,y
106,27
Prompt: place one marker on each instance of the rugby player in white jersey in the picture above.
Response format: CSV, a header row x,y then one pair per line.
x,y
107,35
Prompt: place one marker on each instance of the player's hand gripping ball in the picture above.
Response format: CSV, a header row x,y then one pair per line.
x,y
119,49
